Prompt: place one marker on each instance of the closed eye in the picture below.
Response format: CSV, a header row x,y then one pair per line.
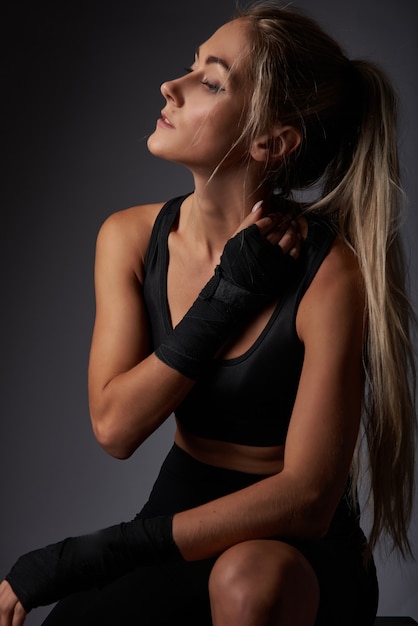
x,y
212,87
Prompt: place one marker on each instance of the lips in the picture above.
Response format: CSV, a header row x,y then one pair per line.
x,y
165,120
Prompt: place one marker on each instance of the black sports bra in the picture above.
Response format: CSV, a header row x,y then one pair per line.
x,y
248,399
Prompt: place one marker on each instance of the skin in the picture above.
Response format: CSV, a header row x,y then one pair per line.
x,y
132,392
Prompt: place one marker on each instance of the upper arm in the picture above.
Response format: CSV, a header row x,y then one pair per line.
x,y
120,336
325,421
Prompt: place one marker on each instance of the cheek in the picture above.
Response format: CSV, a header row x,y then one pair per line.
x,y
216,131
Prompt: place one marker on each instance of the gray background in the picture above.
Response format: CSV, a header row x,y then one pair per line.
x,y
82,93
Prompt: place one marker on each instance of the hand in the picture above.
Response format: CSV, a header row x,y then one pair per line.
x,y
12,612
278,229
256,267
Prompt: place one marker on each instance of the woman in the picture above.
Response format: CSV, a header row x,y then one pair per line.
x,y
269,362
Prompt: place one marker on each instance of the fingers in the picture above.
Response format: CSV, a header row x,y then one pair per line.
x,y
12,612
252,218
287,235
19,615
278,229
274,226
265,223
283,231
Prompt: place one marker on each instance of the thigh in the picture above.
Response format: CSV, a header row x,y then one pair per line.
x,y
150,596
348,584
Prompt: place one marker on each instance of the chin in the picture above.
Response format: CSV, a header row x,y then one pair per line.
x,y
157,148
151,143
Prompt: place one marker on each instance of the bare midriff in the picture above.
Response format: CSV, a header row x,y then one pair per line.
x,y
263,460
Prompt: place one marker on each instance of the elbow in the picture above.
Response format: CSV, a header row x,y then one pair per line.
x,y
117,451
314,521
317,530
321,517
310,530
112,442
111,437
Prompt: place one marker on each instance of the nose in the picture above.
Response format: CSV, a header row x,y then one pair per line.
x,y
171,90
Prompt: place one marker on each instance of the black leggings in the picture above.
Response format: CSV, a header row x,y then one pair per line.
x,y
161,595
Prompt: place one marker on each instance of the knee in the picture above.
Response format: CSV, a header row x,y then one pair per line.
x,y
257,579
235,577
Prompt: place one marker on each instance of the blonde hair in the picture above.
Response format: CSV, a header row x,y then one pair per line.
x,y
347,114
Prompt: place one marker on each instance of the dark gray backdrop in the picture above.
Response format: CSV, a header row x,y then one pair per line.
x,y
81,94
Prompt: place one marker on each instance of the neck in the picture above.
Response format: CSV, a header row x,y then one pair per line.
x,y
217,208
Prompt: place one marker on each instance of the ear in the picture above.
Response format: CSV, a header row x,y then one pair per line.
x,y
276,145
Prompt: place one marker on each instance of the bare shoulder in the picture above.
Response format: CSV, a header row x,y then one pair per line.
x,y
124,235
336,295
339,267
133,224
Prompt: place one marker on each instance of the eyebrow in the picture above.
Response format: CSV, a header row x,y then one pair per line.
x,y
215,59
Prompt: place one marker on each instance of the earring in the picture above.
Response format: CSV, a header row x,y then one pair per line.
x,y
275,197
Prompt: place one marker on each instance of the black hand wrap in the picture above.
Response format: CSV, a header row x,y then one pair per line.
x,y
78,563
251,273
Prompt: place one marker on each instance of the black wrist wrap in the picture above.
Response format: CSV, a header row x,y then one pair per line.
x,y
48,574
250,274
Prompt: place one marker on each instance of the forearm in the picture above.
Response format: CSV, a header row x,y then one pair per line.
x,y
134,404
278,506
48,574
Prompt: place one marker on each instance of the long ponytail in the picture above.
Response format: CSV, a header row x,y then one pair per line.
x,y
347,114
367,202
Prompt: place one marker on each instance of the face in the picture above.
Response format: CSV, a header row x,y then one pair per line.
x,y
202,117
